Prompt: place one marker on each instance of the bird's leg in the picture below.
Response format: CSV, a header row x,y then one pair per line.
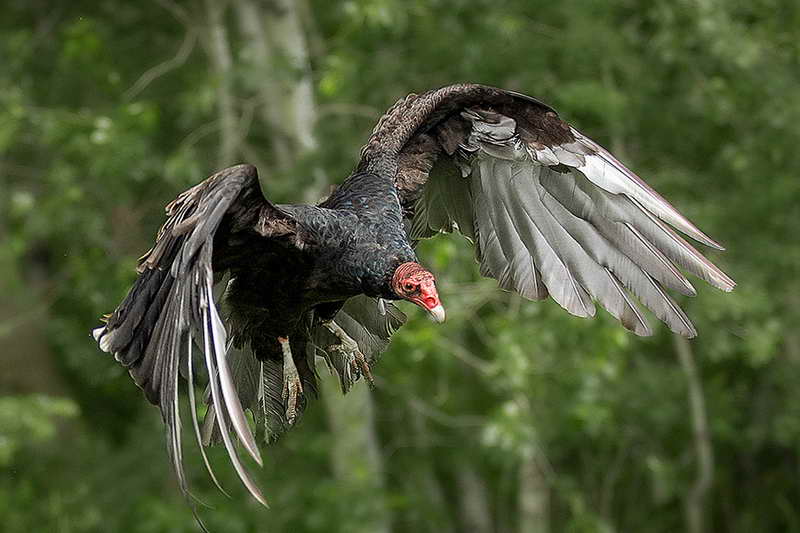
x,y
292,386
349,348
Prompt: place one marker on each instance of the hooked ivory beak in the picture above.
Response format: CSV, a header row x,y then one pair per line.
x,y
437,313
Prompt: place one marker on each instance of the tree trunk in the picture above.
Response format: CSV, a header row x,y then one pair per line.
x,y
431,515
222,67
288,40
271,95
355,454
534,498
472,501
704,454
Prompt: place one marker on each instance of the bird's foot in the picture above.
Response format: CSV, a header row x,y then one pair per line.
x,y
350,350
292,386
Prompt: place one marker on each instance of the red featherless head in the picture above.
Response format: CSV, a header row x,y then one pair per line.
x,y
415,284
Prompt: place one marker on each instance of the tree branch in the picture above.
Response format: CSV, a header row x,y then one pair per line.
x,y
696,499
153,73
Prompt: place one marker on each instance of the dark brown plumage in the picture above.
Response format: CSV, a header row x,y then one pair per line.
x,y
550,212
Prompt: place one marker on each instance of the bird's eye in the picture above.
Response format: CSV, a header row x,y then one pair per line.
x,y
409,287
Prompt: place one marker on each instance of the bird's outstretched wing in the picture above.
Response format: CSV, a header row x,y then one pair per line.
x,y
171,307
549,210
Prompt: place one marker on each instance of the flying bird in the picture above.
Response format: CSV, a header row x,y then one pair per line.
x,y
240,295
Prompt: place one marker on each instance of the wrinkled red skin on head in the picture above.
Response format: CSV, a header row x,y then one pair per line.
x,y
423,293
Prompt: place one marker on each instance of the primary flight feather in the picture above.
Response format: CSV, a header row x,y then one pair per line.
x,y
550,212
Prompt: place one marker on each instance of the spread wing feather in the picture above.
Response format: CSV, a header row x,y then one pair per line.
x,y
621,237
171,307
524,244
549,210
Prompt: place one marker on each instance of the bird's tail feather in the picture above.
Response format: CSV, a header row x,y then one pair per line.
x,y
260,385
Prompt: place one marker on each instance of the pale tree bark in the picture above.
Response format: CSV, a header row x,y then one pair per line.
x,y
316,45
222,67
425,483
612,475
270,94
534,497
472,501
355,454
291,51
696,500
534,483
287,36
278,48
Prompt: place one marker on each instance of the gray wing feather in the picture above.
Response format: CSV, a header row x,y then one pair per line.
x,y
566,220
440,211
678,250
576,257
528,252
648,234
605,171
490,255
571,194
601,253
586,254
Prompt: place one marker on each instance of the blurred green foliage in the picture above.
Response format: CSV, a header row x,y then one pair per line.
x,y
698,96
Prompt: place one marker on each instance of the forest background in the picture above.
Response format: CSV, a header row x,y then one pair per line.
x,y
512,416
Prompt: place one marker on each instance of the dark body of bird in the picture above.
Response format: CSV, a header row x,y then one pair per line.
x,y
352,244
550,212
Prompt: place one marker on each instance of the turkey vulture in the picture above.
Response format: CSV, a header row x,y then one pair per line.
x,y
550,212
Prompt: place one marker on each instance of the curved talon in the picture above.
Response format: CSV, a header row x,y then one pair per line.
x,y
292,386
349,347
363,366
